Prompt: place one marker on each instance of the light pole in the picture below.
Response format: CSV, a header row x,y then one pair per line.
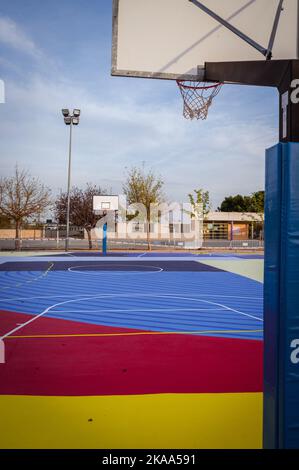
x,y
70,120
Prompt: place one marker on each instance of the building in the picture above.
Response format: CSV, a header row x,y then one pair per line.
x,y
227,226
234,226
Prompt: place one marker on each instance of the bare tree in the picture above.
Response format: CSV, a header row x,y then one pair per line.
x,y
21,197
81,208
144,188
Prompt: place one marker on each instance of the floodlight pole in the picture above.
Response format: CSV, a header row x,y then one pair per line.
x,y
70,120
67,239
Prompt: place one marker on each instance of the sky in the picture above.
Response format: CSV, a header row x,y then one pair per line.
x,y
56,54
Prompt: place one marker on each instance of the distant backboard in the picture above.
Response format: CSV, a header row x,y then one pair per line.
x,y
173,39
105,203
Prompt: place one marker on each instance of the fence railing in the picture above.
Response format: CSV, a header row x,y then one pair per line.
x,y
241,244
131,244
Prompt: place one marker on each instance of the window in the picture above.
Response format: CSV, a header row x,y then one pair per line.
x,y
216,231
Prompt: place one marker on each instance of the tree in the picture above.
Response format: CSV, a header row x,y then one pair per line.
x,y
21,197
233,204
143,188
238,203
201,198
257,202
81,208
5,221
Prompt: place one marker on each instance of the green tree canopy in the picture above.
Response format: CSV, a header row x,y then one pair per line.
x,y
202,198
239,203
257,202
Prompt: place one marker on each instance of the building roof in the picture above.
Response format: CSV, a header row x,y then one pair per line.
x,y
234,217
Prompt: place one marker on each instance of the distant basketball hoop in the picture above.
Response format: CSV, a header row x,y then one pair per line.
x,y
101,213
102,205
197,98
106,206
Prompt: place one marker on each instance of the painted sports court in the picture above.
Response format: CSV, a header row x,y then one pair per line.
x,y
149,350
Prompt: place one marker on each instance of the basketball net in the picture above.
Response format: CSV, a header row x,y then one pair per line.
x,y
197,98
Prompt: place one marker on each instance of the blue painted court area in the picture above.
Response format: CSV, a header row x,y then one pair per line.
x,y
160,254
164,293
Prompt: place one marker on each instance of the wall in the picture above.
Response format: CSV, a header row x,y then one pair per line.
x,y
26,233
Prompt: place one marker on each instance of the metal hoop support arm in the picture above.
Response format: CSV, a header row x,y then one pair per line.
x,y
266,52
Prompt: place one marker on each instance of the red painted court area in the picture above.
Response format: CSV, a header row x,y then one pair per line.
x,y
61,357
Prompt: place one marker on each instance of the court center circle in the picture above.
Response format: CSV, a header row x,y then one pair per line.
x,y
104,269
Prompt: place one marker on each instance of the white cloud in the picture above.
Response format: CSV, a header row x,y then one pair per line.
x,y
224,154
12,35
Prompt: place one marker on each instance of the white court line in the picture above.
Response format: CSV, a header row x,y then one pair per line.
x,y
94,272
60,259
142,254
134,294
122,310
16,299
29,321
48,309
19,284
225,307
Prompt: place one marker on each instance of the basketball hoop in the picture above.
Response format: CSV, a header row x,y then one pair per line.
x,y
197,97
101,213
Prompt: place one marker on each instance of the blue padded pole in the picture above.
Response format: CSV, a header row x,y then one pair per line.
x,y
272,294
281,299
105,239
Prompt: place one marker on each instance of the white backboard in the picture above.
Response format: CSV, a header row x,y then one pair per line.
x,y
174,38
105,203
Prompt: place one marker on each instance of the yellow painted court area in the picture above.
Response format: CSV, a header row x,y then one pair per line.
x,y
251,268
219,420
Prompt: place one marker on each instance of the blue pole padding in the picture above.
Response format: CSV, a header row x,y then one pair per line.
x,y
105,239
281,298
272,294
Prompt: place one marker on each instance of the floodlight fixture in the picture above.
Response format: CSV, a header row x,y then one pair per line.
x,y
76,112
75,121
68,120
65,112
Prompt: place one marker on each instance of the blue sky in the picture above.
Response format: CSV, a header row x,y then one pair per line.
x,y
56,54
